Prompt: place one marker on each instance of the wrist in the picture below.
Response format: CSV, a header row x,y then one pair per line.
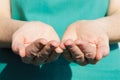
x,y
8,27
104,25
108,28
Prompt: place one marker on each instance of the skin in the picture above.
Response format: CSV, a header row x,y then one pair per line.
x,y
89,42
21,35
45,53
92,37
27,35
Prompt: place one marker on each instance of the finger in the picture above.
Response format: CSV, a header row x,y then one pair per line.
x,y
28,59
77,55
49,48
89,50
33,49
62,46
38,60
21,49
59,50
46,52
55,52
54,56
66,54
18,46
102,49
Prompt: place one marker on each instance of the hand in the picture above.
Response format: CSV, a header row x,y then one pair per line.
x,y
42,52
28,34
85,42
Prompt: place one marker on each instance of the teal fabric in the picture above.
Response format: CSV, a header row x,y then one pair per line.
x,y
59,14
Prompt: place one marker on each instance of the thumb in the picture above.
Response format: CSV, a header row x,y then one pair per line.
x,y
102,49
18,47
21,50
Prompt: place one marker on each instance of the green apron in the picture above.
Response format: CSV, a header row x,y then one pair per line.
x,y
59,14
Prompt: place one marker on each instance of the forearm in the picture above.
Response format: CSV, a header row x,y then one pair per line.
x,y
111,25
7,28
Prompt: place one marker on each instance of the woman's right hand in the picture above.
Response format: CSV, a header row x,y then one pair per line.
x,y
35,42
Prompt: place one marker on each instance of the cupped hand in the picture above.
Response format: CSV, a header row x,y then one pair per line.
x,y
85,42
35,37
42,51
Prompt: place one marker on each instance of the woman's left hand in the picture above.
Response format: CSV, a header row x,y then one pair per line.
x,y
85,42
